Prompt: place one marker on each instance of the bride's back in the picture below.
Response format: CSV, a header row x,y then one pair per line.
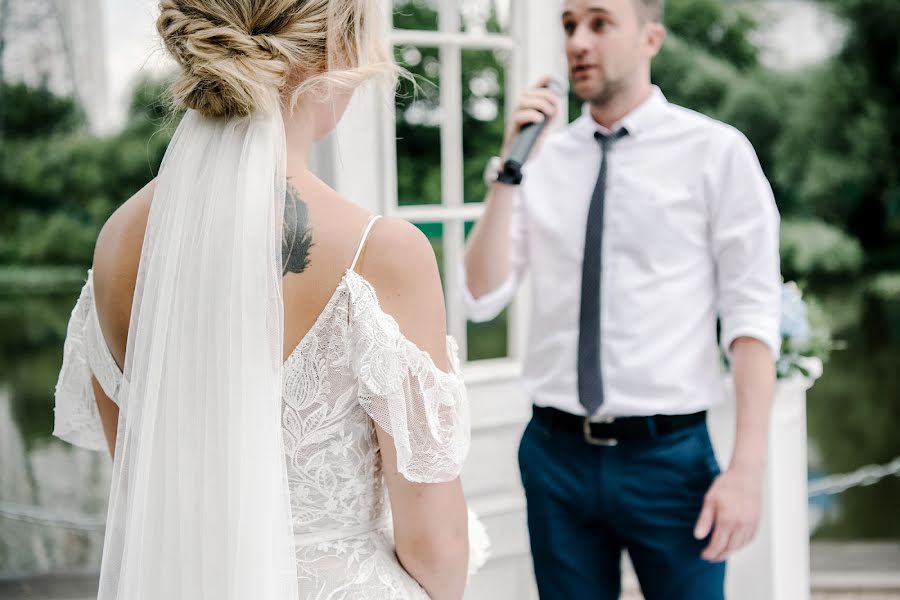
x,y
348,387
325,232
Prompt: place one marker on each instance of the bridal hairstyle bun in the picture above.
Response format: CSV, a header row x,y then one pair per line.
x,y
238,57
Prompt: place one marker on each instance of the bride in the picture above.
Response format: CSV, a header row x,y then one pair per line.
x,y
266,361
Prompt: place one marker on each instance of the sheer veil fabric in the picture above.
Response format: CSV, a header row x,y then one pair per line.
x,y
199,505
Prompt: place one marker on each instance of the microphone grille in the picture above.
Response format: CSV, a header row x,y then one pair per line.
x,y
557,87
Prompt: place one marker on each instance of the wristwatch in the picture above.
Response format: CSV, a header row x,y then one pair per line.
x,y
494,172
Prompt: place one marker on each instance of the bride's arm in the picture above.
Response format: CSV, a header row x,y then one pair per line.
x,y
430,528
116,258
430,519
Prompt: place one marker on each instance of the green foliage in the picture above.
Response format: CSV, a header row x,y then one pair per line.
x,y
886,286
58,186
708,51
415,14
811,248
30,281
484,87
873,44
841,148
26,112
56,239
418,132
692,77
838,172
722,30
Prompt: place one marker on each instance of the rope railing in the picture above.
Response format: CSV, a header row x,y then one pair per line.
x,y
867,475
829,485
42,516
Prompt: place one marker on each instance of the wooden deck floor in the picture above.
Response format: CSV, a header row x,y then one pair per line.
x,y
846,571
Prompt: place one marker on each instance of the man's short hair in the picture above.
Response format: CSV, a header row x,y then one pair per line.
x,y
650,10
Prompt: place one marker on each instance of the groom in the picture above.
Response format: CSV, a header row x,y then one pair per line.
x,y
639,223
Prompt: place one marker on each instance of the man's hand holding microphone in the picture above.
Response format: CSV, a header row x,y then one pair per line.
x,y
487,250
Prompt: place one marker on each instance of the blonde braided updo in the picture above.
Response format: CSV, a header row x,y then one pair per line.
x,y
243,56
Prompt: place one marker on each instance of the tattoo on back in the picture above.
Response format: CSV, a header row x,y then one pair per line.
x,y
297,238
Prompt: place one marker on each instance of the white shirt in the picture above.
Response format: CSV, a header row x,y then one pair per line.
x,y
690,232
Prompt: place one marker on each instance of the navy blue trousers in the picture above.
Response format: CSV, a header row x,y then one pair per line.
x,y
586,504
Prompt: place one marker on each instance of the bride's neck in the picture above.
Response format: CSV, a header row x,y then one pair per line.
x,y
300,134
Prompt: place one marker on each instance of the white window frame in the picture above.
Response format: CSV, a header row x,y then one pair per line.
x,y
534,43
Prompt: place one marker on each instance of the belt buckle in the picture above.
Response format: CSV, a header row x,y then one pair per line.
x,y
589,436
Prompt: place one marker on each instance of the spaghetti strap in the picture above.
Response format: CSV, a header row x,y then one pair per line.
x,y
362,241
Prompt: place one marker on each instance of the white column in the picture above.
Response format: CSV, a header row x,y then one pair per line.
x,y
775,565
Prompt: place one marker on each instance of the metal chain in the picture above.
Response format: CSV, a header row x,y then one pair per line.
x,y
832,484
39,516
835,484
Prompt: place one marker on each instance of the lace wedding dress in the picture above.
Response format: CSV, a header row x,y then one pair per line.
x,y
352,369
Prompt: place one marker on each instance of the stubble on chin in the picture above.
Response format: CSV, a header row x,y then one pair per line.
x,y
604,93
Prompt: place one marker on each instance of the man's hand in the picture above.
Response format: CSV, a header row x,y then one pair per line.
x,y
732,504
731,511
537,104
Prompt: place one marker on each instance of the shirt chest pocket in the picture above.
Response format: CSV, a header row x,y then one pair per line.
x,y
656,224
557,228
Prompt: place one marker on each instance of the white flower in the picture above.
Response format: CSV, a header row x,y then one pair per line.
x,y
479,543
794,318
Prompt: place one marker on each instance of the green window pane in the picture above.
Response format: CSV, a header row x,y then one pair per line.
x,y
485,16
489,339
416,14
483,118
418,127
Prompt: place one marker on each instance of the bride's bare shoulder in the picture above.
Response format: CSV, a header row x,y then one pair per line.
x,y
398,254
400,263
116,259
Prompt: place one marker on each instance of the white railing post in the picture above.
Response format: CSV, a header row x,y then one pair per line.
x,y
775,565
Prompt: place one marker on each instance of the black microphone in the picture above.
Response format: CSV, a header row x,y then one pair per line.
x,y
524,142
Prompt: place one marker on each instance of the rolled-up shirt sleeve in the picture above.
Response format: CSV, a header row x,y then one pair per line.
x,y
489,305
744,235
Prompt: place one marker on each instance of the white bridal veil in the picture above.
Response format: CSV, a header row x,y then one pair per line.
x,y
199,507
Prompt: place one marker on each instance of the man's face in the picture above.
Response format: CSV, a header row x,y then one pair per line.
x,y
608,46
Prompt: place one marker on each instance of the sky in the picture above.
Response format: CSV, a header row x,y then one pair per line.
x,y
133,49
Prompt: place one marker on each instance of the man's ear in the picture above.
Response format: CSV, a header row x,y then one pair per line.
x,y
656,34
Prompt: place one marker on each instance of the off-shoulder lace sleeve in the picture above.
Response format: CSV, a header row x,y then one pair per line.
x,y
85,353
424,409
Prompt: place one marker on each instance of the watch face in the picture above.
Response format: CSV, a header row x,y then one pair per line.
x,y
492,170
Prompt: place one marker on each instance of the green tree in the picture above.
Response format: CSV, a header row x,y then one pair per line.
x,y
28,112
721,29
841,148
59,183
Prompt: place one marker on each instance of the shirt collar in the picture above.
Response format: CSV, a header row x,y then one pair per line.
x,y
637,121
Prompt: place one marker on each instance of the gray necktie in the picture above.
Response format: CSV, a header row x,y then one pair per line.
x,y
590,379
